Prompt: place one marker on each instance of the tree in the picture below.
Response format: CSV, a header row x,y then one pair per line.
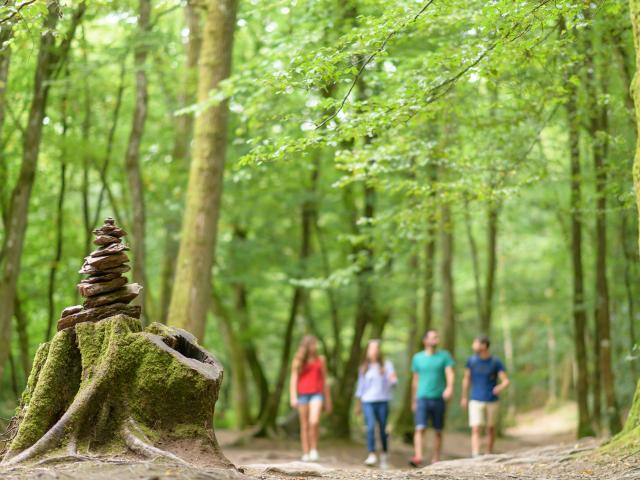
x,y
633,420
599,132
132,158
191,289
50,58
578,298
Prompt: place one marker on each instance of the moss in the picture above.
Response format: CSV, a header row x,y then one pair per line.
x,y
55,387
138,376
189,430
628,440
38,362
193,396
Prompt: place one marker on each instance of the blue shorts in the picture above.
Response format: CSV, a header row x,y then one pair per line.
x,y
306,398
430,408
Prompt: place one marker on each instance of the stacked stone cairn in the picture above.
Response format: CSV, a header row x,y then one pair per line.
x,y
105,290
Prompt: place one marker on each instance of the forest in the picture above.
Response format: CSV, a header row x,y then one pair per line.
x,y
347,169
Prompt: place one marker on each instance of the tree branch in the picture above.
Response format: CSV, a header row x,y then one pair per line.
x,y
368,61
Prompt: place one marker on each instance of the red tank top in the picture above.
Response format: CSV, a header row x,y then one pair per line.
x,y
311,378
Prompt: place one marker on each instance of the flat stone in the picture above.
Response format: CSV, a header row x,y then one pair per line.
x,y
91,289
102,264
105,240
101,278
70,310
99,313
110,230
122,295
121,269
110,249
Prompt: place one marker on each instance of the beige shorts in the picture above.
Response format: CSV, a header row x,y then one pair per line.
x,y
483,413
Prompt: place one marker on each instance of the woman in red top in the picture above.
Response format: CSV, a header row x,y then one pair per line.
x,y
309,392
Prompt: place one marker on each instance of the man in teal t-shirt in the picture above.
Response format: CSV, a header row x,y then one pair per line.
x,y
432,386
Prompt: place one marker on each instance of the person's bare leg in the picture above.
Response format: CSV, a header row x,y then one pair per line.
x,y
418,437
491,438
437,447
475,441
315,409
303,412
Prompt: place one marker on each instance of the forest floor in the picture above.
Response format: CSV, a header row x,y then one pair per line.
x,y
539,447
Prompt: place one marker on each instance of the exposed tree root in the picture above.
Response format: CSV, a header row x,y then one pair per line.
x,y
142,447
70,420
63,459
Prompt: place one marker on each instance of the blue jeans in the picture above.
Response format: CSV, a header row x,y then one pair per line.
x,y
376,412
306,398
430,408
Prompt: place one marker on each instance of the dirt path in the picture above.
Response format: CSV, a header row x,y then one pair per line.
x,y
561,462
540,447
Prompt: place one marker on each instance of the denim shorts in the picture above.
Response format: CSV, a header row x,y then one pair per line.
x,y
430,408
306,398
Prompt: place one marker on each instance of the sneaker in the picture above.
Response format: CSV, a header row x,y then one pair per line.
x,y
313,456
384,463
415,462
305,457
371,460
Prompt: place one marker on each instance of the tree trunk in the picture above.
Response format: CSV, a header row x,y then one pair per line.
x,y
404,423
365,315
633,420
552,364
599,127
493,211
104,168
629,260
49,59
86,156
191,288
446,273
268,419
132,158
23,337
6,33
180,153
578,300
57,255
239,382
250,352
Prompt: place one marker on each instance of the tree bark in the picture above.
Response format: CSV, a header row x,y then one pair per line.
x,y
132,158
57,255
629,260
86,156
241,404
493,211
598,129
446,273
633,420
191,288
181,148
49,60
6,33
366,314
22,323
578,299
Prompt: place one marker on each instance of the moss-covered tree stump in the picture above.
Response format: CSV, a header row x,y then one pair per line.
x,y
109,387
